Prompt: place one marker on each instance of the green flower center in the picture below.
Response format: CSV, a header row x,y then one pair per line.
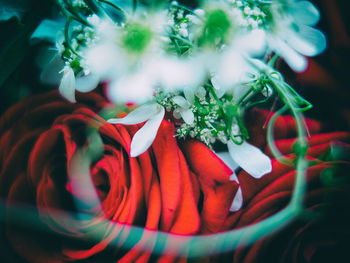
x,y
136,38
216,28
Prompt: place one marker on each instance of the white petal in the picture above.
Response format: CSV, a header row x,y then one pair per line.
x,y
233,69
181,101
103,60
135,87
253,43
237,201
189,94
67,85
187,115
201,92
296,61
250,158
50,74
226,158
174,73
138,115
144,137
87,83
259,65
218,87
307,40
305,13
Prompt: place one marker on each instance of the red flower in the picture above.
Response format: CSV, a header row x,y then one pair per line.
x,y
321,233
45,165
75,201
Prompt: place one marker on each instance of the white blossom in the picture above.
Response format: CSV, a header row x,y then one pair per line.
x,y
153,114
293,36
70,83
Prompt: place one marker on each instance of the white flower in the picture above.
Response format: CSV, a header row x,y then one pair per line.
x,y
292,34
230,66
69,83
184,110
153,114
249,158
131,59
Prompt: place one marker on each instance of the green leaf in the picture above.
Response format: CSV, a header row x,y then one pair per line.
x,y
16,44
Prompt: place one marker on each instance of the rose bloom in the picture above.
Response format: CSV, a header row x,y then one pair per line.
x,y
46,170
41,141
322,232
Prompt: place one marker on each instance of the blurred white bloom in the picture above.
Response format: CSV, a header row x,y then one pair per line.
x,y
153,114
232,66
131,59
173,73
292,35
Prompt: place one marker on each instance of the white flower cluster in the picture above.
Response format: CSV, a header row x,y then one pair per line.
x,y
205,65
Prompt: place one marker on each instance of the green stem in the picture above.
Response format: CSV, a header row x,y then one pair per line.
x,y
245,95
67,38
96,8
66,8
114,6
301,143
187,9
270,138
273,60
180,38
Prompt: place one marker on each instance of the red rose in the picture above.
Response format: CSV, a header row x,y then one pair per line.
x,y
183,191
322,232
43,144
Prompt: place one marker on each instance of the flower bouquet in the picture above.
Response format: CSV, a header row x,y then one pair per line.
x,y
172,137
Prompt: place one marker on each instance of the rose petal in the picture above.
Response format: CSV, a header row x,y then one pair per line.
x,y
216,205
226,158
205,163
179,197
286,146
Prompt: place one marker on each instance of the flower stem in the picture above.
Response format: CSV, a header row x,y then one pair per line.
x,y
96,8
114,6
67,38
186,9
